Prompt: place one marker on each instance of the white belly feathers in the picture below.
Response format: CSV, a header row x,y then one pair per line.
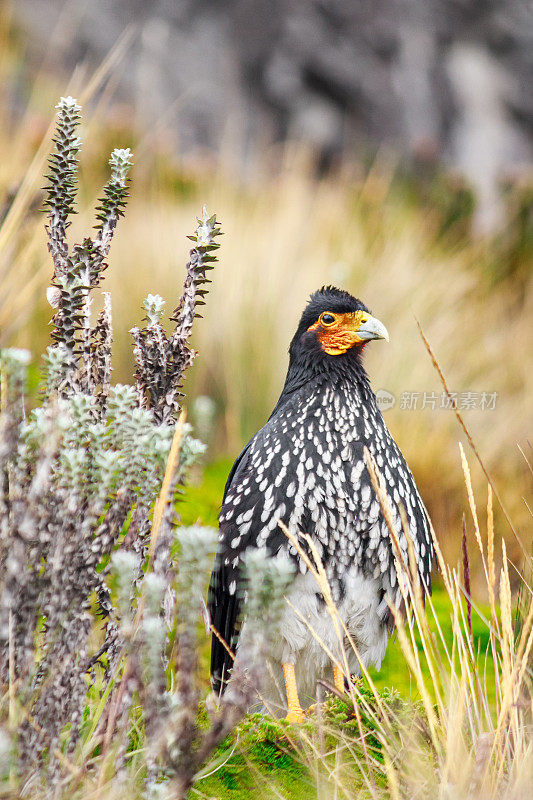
x,y
308,634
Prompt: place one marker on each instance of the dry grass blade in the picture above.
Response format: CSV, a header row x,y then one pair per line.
x,y
379,488
109,63
170,473
466,576
471,501
469,437
490,553
506,616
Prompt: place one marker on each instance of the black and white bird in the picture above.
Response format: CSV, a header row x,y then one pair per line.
x,y
307,468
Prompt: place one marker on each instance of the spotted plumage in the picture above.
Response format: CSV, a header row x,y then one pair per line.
x,y
306,467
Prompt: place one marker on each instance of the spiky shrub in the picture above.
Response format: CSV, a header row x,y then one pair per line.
x,y
88,484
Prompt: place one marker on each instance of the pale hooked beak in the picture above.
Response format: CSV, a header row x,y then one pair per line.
x,y
372,328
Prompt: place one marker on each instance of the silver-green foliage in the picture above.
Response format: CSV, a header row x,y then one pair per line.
x,y
79,468
80,475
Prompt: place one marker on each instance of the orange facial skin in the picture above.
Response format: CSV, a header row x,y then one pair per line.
x,y
340,335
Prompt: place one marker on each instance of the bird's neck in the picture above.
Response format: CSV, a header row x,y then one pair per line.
x,y
338,372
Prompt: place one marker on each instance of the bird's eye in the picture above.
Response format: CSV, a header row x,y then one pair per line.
x,y
327,319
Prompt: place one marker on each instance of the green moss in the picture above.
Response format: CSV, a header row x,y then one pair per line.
x,y
257,756
272,758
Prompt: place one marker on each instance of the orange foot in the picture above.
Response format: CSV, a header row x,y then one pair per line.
x,y
296,712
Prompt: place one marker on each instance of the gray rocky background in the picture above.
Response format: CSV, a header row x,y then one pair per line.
x,y
448,81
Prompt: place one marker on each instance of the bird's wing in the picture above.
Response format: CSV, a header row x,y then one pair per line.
x,y
224,607
245,515
224,611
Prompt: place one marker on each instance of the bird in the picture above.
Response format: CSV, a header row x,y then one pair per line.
x,y
306,473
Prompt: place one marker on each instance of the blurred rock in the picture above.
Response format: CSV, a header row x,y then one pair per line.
x,y
444,80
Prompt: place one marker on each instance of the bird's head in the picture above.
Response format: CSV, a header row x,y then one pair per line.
x,y
334,324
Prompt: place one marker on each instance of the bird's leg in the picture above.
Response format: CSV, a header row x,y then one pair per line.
x,y
338,678
296,712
